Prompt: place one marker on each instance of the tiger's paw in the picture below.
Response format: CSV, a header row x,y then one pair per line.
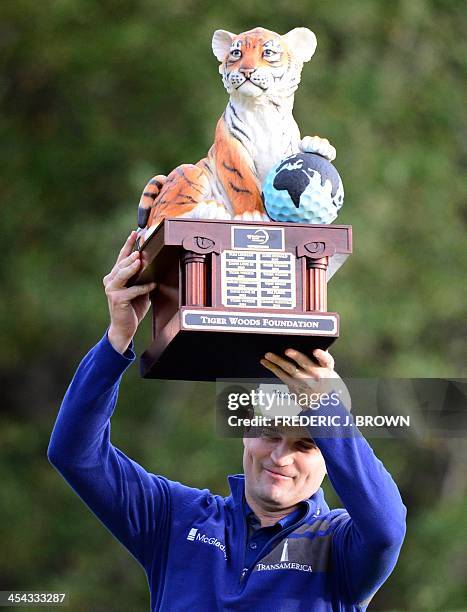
x,y
209,209
249,215
321,146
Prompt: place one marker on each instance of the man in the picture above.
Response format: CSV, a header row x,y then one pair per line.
x,y
273,544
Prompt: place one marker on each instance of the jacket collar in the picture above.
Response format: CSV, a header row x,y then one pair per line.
x,y
316,503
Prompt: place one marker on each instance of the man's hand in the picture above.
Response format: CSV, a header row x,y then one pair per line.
x,y
303,375
127,306
300,367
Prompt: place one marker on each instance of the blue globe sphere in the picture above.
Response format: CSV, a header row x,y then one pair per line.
x,y
303,188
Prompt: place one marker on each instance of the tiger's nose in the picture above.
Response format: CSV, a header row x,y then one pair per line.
x,y
247,71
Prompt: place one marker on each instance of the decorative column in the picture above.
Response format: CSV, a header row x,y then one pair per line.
x,y
317,294
194,279
317,255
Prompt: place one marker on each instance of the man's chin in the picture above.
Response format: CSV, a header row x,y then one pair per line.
x,y
275,496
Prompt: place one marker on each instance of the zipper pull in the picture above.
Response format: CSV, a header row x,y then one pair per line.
x,y
244,573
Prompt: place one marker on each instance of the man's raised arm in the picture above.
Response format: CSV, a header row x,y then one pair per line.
x,y
366,543
118,490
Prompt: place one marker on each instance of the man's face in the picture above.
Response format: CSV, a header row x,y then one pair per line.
x,y
280,470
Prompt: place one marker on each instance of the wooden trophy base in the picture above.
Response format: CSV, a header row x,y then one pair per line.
x,y
228,292
190,354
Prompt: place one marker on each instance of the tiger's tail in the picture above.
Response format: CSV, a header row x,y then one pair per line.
x,y
148,197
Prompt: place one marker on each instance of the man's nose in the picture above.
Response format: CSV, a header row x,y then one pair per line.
x,y
247,71
282,454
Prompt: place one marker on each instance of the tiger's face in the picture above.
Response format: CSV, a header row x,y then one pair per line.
x,y
262,63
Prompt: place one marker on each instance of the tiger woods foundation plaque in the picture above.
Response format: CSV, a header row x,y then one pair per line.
x,y
227,292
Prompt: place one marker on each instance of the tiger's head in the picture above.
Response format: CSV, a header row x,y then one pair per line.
x,y
262,63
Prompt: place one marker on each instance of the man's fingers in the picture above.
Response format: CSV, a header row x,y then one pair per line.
x,y
126,261
299,383
126,272
137,290
286,365
325,359
121,262
302,360
127,247
123,297
119,277
300,368
276,370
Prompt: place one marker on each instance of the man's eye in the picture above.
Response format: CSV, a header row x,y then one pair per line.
x,y
236,53
269,53
305,446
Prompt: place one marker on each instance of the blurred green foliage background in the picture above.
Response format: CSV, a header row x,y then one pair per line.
x,y
96,97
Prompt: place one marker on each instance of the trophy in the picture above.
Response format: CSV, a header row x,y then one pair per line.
x,y
241,244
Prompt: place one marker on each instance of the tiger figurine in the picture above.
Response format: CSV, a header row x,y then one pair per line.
x,y
261,71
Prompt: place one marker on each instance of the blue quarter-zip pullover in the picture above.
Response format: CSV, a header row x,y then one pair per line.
x,y
192,543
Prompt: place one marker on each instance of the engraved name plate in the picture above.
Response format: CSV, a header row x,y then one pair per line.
x,y
258,279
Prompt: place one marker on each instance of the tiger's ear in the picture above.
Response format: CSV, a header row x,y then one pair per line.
x,y
221,42
302,42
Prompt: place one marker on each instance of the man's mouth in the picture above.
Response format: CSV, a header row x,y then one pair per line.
x,y
277,475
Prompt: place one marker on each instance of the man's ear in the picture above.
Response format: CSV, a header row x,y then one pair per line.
x,y
302,42
221,42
